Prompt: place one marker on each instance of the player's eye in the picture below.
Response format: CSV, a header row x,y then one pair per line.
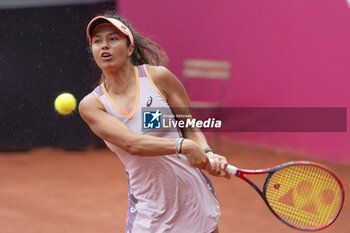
x,y
113,38
96,41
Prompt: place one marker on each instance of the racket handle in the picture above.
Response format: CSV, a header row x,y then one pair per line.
x,y
230,169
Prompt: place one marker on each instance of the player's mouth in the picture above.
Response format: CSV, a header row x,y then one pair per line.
x,y
106,56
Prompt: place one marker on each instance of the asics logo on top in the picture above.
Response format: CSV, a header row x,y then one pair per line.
x,y
149,101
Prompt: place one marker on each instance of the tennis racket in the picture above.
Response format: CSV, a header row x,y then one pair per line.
x,y
304,195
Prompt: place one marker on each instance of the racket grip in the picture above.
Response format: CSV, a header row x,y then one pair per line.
x,y
230,169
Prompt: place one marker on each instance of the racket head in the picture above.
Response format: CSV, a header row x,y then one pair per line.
x,y
304,195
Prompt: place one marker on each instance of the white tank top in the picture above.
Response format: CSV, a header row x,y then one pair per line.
x,y
172,196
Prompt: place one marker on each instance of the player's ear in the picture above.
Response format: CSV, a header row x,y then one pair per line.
x,y
131,49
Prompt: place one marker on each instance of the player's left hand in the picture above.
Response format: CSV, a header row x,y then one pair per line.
x,y
217,166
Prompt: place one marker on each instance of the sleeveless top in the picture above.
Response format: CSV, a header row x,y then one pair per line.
x,y
171,195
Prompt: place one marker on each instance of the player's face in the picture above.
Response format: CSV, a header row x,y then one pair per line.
x,y
109,48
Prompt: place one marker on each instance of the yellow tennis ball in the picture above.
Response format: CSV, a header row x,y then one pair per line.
x,y
65,103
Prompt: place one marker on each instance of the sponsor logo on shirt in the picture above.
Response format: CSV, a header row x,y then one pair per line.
x,y
149,101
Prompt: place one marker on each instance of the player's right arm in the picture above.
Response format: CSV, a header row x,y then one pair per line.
x,y
114,131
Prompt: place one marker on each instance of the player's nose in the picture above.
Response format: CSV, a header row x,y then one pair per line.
x,y
104,45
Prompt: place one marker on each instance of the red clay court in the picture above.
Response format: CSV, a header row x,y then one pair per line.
x,y
55,191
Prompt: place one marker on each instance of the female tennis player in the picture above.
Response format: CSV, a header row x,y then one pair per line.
x,y
167,190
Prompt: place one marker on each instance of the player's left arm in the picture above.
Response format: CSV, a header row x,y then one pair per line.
x,y
176,96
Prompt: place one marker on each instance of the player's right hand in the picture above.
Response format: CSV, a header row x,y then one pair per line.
x,y
217,165
196,157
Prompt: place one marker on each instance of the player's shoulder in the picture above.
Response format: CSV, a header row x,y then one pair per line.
x,y
159,73
90,101
163,78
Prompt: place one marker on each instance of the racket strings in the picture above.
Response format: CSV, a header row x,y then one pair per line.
x,y
303,189
304,196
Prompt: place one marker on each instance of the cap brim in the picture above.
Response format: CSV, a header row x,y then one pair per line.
x,y
116,23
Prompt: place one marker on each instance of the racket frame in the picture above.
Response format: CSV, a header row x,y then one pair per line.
x,y
241,172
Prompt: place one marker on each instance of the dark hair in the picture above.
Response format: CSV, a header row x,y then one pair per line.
x,y
146,51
